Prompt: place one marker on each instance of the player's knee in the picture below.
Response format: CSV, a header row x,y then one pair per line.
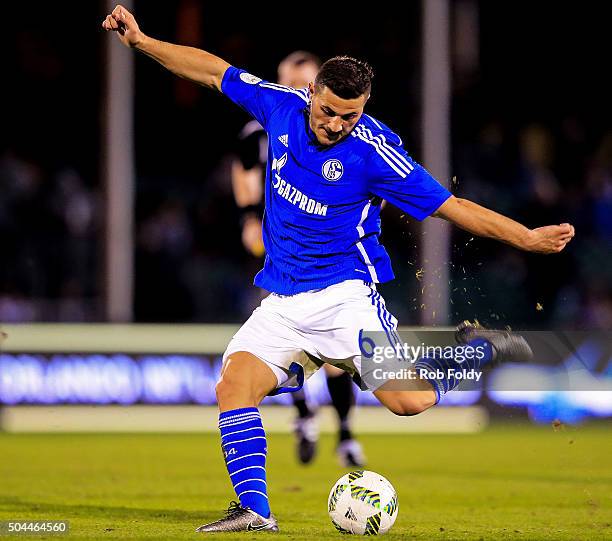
x,y
222,389
230,385
407,406
225,389
404,410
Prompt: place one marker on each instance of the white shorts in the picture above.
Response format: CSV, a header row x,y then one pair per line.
x,y
294,335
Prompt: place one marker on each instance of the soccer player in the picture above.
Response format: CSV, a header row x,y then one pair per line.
x,y
329,166
248,180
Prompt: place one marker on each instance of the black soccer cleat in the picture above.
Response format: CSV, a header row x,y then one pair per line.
x,y
240,519
508,346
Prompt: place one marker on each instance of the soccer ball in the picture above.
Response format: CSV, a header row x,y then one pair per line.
x,y
362,502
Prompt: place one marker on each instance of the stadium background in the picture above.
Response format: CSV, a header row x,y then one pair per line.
x,y
531,137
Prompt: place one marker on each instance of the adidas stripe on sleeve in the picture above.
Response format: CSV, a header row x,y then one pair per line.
x,y
395,177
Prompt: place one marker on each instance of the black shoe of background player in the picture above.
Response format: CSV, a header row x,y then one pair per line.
x,y
307,435
350,454
507,346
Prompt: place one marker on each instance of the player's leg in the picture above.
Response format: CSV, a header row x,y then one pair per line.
x,y
362,307
263,356
245,380
432,377
418,398
306,430
437,375
340,387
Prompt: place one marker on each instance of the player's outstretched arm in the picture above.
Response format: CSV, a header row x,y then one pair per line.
x,y
187,62
483,222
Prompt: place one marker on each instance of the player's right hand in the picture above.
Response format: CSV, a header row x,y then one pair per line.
x,y
124,23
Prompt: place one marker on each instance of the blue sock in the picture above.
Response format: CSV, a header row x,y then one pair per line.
x,y
243,442
446,380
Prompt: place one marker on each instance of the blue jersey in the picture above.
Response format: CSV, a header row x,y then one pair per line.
x,y
321,222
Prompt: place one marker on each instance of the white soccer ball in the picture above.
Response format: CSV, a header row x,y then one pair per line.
x,y
362,502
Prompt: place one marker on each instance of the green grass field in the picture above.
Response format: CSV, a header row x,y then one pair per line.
x,y
514,482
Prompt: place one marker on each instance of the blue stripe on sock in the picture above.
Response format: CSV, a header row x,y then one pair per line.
x,y
243,442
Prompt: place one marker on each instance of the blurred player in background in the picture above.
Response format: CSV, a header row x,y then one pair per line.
x,y
329,167
248,177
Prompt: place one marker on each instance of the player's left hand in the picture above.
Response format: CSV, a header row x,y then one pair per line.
x,y
550,239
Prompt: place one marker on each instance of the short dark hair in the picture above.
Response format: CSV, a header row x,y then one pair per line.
x,y
346,76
